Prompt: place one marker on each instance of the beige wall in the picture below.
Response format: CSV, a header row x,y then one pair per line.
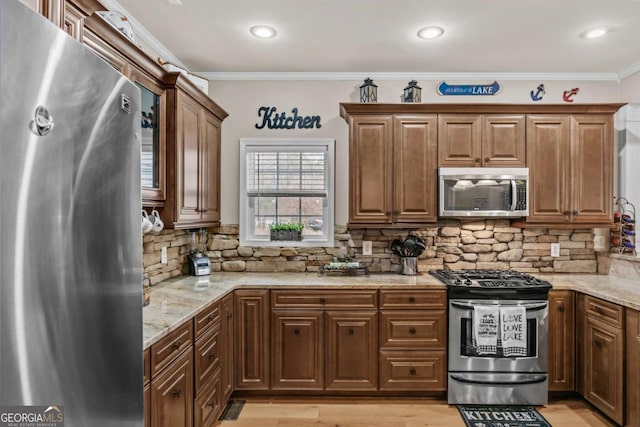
x,y
241,99
630,89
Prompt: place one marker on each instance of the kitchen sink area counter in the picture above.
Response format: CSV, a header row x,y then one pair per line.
x,y
177,300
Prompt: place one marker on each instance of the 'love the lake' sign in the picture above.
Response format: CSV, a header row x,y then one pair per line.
x,y
446,89
271,119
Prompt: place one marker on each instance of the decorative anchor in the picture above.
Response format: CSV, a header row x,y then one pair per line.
x,y
536,96
568,94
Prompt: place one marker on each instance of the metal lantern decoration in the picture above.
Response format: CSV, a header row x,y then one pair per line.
x,y
368,91
412,92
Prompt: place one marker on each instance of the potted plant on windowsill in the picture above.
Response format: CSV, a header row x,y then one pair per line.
x,y
286,231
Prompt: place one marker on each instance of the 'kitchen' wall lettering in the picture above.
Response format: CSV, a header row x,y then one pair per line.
x,y
272,120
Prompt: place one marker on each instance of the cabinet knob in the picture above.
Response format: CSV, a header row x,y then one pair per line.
x,y
203,210
596,309
561,309
350,331
487,160
412,371
574,213
412,331
211,317
177,392
598,343
296,331
412,299
387,213
212,404
478,159
211,355
176,345
323,300
229,315
566,213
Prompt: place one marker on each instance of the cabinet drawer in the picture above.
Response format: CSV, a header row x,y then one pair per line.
x,y
146,366
324,299
390,299
413,370
413,329
206,319
208,404
608,312
168,348
207,357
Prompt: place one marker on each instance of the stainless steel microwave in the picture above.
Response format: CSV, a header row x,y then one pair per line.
x,y
483,192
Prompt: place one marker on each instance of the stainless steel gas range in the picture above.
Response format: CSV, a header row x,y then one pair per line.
x,y
498,337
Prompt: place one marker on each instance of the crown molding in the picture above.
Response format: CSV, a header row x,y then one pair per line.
x,y
407,75
146,36
628,71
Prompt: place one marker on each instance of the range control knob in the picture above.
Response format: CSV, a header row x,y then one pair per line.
x,y
467,282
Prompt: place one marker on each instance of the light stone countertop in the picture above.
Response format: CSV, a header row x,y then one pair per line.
x,y
177,300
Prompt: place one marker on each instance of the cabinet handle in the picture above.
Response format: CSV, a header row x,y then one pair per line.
x,y
350,331
323,300
574,213
229,315
412,331
478,159
204,210
412,299
486,160
561,309
412,371
176,345
598,343
212,404
211,355
177,393
596,309
296,331
211,317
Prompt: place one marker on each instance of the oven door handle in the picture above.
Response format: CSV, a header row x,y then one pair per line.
x,y
532,380
528,307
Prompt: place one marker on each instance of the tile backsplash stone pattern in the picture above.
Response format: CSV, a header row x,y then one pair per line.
x,y
178,244
451,244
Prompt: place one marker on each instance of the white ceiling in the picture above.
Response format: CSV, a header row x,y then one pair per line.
x,y
379,36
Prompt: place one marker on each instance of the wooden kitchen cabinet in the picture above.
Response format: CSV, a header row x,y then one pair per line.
x,y
570,160
413,340
562,332
53,10
252,327
208,403
352,350
193,156
172,394
226,346
602,355
297,350
471,140
632,386
392,169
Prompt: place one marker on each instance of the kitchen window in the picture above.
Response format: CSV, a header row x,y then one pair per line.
x,y
286,181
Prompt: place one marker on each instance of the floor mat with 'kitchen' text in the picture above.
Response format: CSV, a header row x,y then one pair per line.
x,y
501,416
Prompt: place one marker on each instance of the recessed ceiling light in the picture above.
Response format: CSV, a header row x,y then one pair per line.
x,y
263,31
431,32
595,33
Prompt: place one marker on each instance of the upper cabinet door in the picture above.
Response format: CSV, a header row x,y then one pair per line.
x,y
153,124
415,168
53,10
592,169
459,140
188,167
370,168
548,162
210,192
503,140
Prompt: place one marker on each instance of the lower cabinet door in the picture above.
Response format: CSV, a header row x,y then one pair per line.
x,y
208,404
147,405
603,363
172,394
352,350
413,370
297,339
562,332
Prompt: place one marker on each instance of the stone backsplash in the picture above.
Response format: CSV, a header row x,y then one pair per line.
x,y
451,244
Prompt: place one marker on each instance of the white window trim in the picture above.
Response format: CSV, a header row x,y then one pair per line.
x,y
244,209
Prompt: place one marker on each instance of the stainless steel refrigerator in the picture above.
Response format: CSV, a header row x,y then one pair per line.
x,y
70,234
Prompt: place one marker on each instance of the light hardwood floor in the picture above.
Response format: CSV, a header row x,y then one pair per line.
x,y
389,413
